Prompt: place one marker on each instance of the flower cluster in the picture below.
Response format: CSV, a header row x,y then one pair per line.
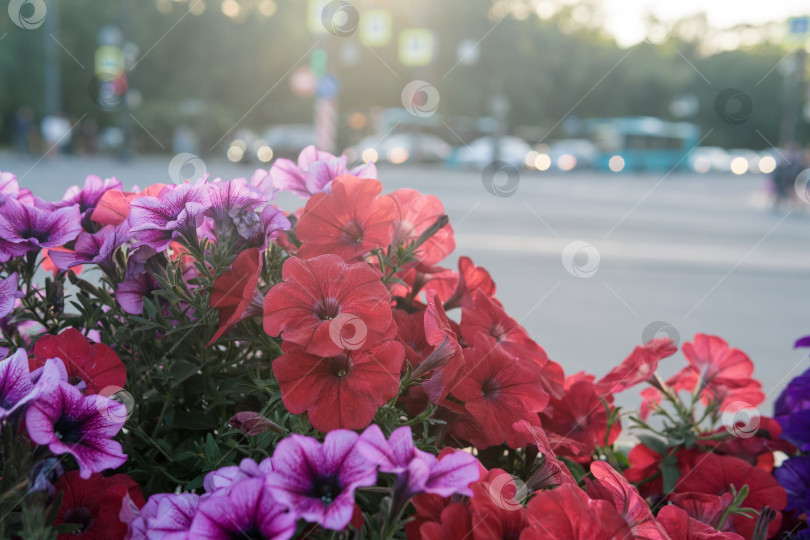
x,y
201,364
791,411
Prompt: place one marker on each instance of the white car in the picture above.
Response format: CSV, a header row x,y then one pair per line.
x,y
479,153
401,148
567,154
705,159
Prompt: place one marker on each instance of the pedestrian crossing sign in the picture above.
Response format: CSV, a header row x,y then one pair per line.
x,y
375,28
416,47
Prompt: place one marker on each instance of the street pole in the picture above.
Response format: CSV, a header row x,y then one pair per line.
x,y
793,94
52,75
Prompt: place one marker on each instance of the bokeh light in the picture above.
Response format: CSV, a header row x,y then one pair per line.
x,y
566,162
739,165
767,165
616,163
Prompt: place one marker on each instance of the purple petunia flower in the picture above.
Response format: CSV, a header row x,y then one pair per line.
x,y
17,386
794,476
418,471
96,248
9,292
25,228
9,188
88,196
166,516
246,509
792,411
314,172
175,212
318,480
67,421
226,476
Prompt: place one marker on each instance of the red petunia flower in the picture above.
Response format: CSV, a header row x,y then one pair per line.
x,y
350,221
326,305
95,364
723,374
704,507
713,360
567,513
455,523
95,504
645,467
496,507
629,503
498,392
341,391
414,214
235,291
446,361
579,415
716,474
757,449
636,368
680,526
470,279
114,206
411,334
486,315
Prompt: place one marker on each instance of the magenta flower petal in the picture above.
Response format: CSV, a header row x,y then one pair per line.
x,y
26,228
66,421
9,292
287,176
16,388
227,476
96,248
318,480
314,172
165,515
245,510
175,212
418,471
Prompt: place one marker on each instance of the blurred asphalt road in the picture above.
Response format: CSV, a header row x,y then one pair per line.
x,y
703,253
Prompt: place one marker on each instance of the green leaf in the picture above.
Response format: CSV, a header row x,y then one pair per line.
x,y
182,370
194,421
653,443
669,473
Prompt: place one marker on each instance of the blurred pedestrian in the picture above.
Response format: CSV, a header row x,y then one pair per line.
x,y
56,134
23,122
784,176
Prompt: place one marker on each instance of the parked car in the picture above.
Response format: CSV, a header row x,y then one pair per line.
x,y
705,159
479,153
401,148
567,154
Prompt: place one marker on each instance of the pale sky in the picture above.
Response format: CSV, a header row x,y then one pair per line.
x,y
625,18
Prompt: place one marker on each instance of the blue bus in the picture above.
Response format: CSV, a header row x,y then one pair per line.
x,y
641,143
